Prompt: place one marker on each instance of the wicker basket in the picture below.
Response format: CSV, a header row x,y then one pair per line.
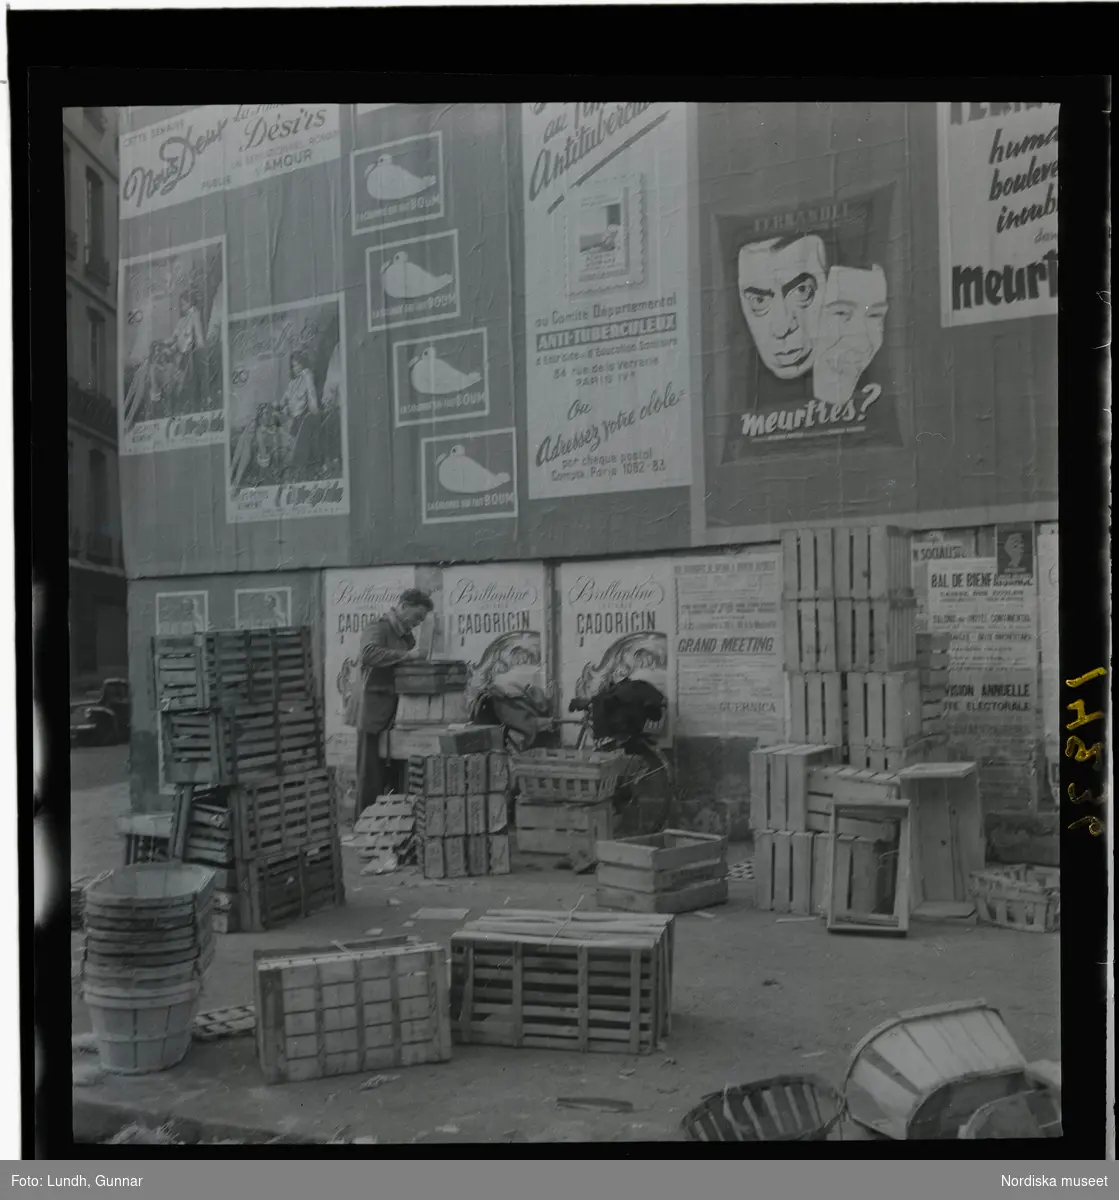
x,y
1035,1114
567,776
787,1108
1018,897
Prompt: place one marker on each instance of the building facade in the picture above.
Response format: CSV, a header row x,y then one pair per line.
x,y
98,590
599,357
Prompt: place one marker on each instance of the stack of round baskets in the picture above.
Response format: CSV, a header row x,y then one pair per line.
x,y
149,942
787,1108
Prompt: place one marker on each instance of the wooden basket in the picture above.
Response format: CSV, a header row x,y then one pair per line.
x,y
921,1074
1033,1114
570,776
787,1108
141,1032
1018,897
230,668
149,889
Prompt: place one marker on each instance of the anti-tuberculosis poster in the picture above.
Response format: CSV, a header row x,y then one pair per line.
x,y
605,229
173,348
997,170
286,452
802,303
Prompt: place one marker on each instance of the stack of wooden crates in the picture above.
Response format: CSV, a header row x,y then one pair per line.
x,y
243,742
866,699
461,805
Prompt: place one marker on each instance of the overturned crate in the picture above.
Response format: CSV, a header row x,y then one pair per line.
x,y
550,985
362,1007
669,872
276,890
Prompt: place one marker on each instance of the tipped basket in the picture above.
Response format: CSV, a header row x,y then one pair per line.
x,y
787,1108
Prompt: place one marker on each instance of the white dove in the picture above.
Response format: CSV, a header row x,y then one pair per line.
x,y
403,280
434,377
458,473
386,181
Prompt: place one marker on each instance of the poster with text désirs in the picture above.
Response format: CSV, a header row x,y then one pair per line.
x,y
606,294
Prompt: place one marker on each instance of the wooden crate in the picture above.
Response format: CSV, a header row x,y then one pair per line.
x,y
419,741
425,776
454,775
233,668
876,635
816,708
429,678
932,748
477,854
568,776
516,989
783,871
284,814
779,784
826,783
477,816
810,635
477,773
287,887
454,857
390,826
337,1012
821,874
434,862
669,872
872,563
572,830
497,812
221,746
454,816
883,709
147,837
500,775
808,564
444,708
1017,897
473,739
865,895
499,853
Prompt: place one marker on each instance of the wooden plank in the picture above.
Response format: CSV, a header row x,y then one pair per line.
x,y
688,898
477,854
454,857
826,636
821,872
782,871
864,876
763,869
801,882
499,854
639,879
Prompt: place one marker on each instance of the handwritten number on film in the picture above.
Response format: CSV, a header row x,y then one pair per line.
x,y
1077,749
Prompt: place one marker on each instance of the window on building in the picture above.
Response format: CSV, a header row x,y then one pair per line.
x,y
98,491
96,352
94,217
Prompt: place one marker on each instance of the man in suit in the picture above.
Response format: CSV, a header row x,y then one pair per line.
x,y
385,643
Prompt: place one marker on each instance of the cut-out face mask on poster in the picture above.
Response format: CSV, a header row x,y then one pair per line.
x,y
850,331
781,290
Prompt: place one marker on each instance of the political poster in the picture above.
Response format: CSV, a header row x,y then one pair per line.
x,y
606,297
997,170
930,547
177,614
496,618
730,678
220,147
803,303
353,601
617,622
262,608
173,348
286,454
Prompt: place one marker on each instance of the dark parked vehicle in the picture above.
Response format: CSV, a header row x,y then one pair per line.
x,y
104,720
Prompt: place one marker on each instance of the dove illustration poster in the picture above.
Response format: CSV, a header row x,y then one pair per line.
x,y
413,282
606,297
178,614
730,679
221,147
286,452
469,476
616,622
397,183
441,378
354,600
997,174
803,303
173,349
496,619
262,608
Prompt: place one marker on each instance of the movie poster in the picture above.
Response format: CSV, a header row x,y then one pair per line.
x,y
173,348
286,454
262,608
730,677
802,302
177,614
496,618
616,622
997,170
606,297
353,601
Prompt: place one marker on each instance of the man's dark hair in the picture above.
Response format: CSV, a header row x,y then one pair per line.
x,y
414,596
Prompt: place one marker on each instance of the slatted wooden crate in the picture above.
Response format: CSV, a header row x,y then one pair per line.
x,y
779,784
389,827
322,1013
783,871
454,775
811,635
471,739
933,748
499,854
228,668
872,563
418,741
251,742
511,987
429,678
817,708
454,858
569,776
571,830
669,872
827,783
876,635
500,774
441,709
808,564
477,773
425,776
147,837
1018,897
883,709
282,814
869,890
277,890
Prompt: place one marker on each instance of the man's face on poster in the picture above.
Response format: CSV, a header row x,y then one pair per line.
x,y
1015,551
780,288
851,330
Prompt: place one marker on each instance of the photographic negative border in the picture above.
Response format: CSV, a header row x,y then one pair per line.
x,y
396,380
363,230
454,437
385,246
